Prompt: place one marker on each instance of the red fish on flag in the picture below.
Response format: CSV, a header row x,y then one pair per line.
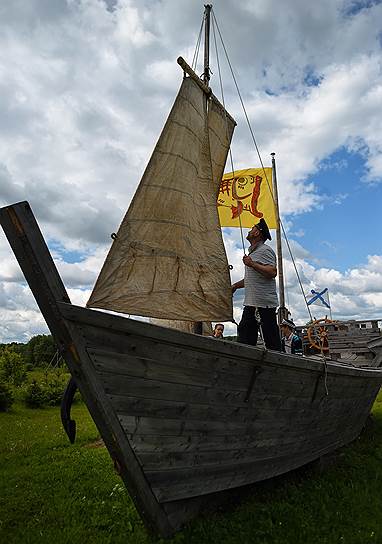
x,y
246,196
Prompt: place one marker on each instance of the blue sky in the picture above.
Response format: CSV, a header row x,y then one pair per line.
x,y
87,85
346,228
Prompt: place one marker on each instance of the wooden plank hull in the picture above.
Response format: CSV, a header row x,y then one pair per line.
x,y
196,420
184,416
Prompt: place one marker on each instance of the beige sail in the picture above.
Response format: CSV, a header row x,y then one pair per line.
x,y
168,259
185,326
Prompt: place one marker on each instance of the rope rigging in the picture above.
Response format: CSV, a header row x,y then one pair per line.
x,y
197,47
225,117
215,28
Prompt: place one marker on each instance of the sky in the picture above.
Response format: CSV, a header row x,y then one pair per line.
x,y
86,86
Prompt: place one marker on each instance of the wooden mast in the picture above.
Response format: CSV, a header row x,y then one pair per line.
x,y
283,312
198,326
207,15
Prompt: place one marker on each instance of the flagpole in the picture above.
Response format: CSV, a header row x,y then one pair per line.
x,y
330,307
283,312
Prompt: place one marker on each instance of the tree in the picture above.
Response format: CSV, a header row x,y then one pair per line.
x,y
40,350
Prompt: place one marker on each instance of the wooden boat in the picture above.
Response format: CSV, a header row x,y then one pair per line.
x,y
184,416
346,341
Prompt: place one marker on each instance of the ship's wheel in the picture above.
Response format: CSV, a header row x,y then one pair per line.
x,y
317,333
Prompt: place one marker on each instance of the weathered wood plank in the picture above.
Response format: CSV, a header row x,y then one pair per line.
x,y
351,335
156,370
176,370
177,427
178,484
260,429
169,445
104,330
167,391
206,442
154,389
263,427
131,345
138,406
179,373
154,461
260,449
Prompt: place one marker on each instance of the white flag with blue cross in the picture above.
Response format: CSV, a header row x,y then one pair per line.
x,y
321,298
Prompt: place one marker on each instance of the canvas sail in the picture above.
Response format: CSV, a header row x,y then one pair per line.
x,y
168,260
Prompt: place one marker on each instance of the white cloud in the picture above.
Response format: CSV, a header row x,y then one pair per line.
x,y
86,87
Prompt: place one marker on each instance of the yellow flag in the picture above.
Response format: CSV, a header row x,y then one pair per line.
x,y
245,197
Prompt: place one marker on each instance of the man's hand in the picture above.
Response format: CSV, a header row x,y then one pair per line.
x,y
266,270
247,261
237,285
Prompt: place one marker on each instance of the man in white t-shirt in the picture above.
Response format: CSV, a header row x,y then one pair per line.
x,y
260,291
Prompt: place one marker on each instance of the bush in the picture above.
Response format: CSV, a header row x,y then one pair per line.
x,y
54,390
12,367
6,397
47,392
34,395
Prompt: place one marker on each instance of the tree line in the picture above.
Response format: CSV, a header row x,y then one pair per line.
x,y
39,352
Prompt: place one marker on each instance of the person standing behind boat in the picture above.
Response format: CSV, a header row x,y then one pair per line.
x,y
290,341
218,331
260,291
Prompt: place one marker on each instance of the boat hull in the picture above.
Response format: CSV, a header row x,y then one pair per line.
x,y
203,415
184,416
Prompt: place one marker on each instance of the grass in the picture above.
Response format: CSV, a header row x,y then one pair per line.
x,y
51,491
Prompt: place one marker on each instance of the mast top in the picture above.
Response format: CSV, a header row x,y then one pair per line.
x,y
207,15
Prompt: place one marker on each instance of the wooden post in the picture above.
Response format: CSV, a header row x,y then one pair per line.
x,y
283,312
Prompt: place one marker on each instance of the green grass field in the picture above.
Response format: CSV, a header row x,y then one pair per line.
x,y
51,491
